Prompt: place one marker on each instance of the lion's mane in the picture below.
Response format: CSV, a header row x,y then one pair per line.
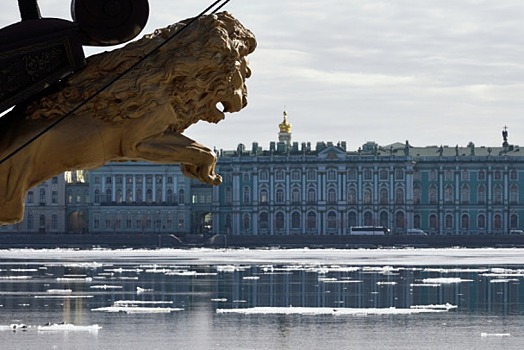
x,y
175,72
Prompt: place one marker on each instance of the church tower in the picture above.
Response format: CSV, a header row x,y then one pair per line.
x,y
285,131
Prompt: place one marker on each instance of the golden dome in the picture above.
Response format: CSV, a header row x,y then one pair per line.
x,y
285,126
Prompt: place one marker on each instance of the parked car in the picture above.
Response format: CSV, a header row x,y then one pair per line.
x,y
416,232
516,232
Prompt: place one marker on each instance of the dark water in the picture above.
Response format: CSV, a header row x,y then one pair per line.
x,y
312,301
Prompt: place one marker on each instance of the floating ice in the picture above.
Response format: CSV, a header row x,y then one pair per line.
x,y
446,306
330,311
60,291
68,327
386,283
63,296
251,277
137,309
131,307
485,335
140,290
446,280
105,286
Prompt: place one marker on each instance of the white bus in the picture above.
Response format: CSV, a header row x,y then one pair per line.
x,y
369,230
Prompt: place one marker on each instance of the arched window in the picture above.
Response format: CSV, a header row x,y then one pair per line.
x,y
399,195
279,195
311,195
464,194
332,196
417,221
246,222
109,195
279,220
352,219
481,221
246,195
497,194
497,222
464,222
448,194
352,195
129,195
97,196
384,196
42,221
433,194
149,196
311,220
367,195
158,198
295,220
368,218
119,197
332,220
416,194
400,220
514,194
513,221
481,194
295,195
433,222
384,219
264,198
264,218
448,221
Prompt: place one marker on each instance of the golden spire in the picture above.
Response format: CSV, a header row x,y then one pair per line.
x,y
285,126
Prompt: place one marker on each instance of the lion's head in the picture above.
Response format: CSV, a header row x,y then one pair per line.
x,y
202,66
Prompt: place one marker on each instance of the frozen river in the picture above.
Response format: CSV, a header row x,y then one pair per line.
x,y
262,299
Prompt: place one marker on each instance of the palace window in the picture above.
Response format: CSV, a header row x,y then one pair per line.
x,y
264,196
497,194
263,175
433,222
432,175
464,222
448,194
264,224
311,196
400,220
481,194
513,175
279,175
481,175
332,196
399,174
332,220
295,175
514,194
383,174
433,194
279,221
367,196
497,222
295,220
246,222
311,175
352,174
416,196
311,220
352,219
481,221
416,221
246,195
399,195
384,219
368,218
464,194
368,174
384,196
331,175
295,195
448,221
279,195
352,195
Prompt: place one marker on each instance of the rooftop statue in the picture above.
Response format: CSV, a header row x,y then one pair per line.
x,y
140,117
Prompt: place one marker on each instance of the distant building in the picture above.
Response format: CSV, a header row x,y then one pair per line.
x,y
297,189
294,188
44,209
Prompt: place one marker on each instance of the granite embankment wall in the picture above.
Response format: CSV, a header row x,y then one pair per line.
x,y
151,241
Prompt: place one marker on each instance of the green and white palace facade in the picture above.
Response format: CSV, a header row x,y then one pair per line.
x,y
295,189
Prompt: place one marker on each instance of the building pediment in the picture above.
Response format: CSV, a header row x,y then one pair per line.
x,y
332,152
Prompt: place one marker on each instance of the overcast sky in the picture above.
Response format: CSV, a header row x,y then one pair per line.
x,y
432,72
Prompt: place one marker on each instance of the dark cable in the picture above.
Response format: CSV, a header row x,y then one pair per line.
x,y
62,118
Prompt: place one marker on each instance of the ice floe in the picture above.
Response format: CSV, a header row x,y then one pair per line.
x,y
138,307
68,327
330,311
486,335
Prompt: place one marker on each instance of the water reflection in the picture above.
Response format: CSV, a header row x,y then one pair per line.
x,y
75,290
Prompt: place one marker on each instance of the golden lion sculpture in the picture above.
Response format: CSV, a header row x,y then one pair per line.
x,y
140,117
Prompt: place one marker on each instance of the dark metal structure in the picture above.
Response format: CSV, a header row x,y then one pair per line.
x,y
38,52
